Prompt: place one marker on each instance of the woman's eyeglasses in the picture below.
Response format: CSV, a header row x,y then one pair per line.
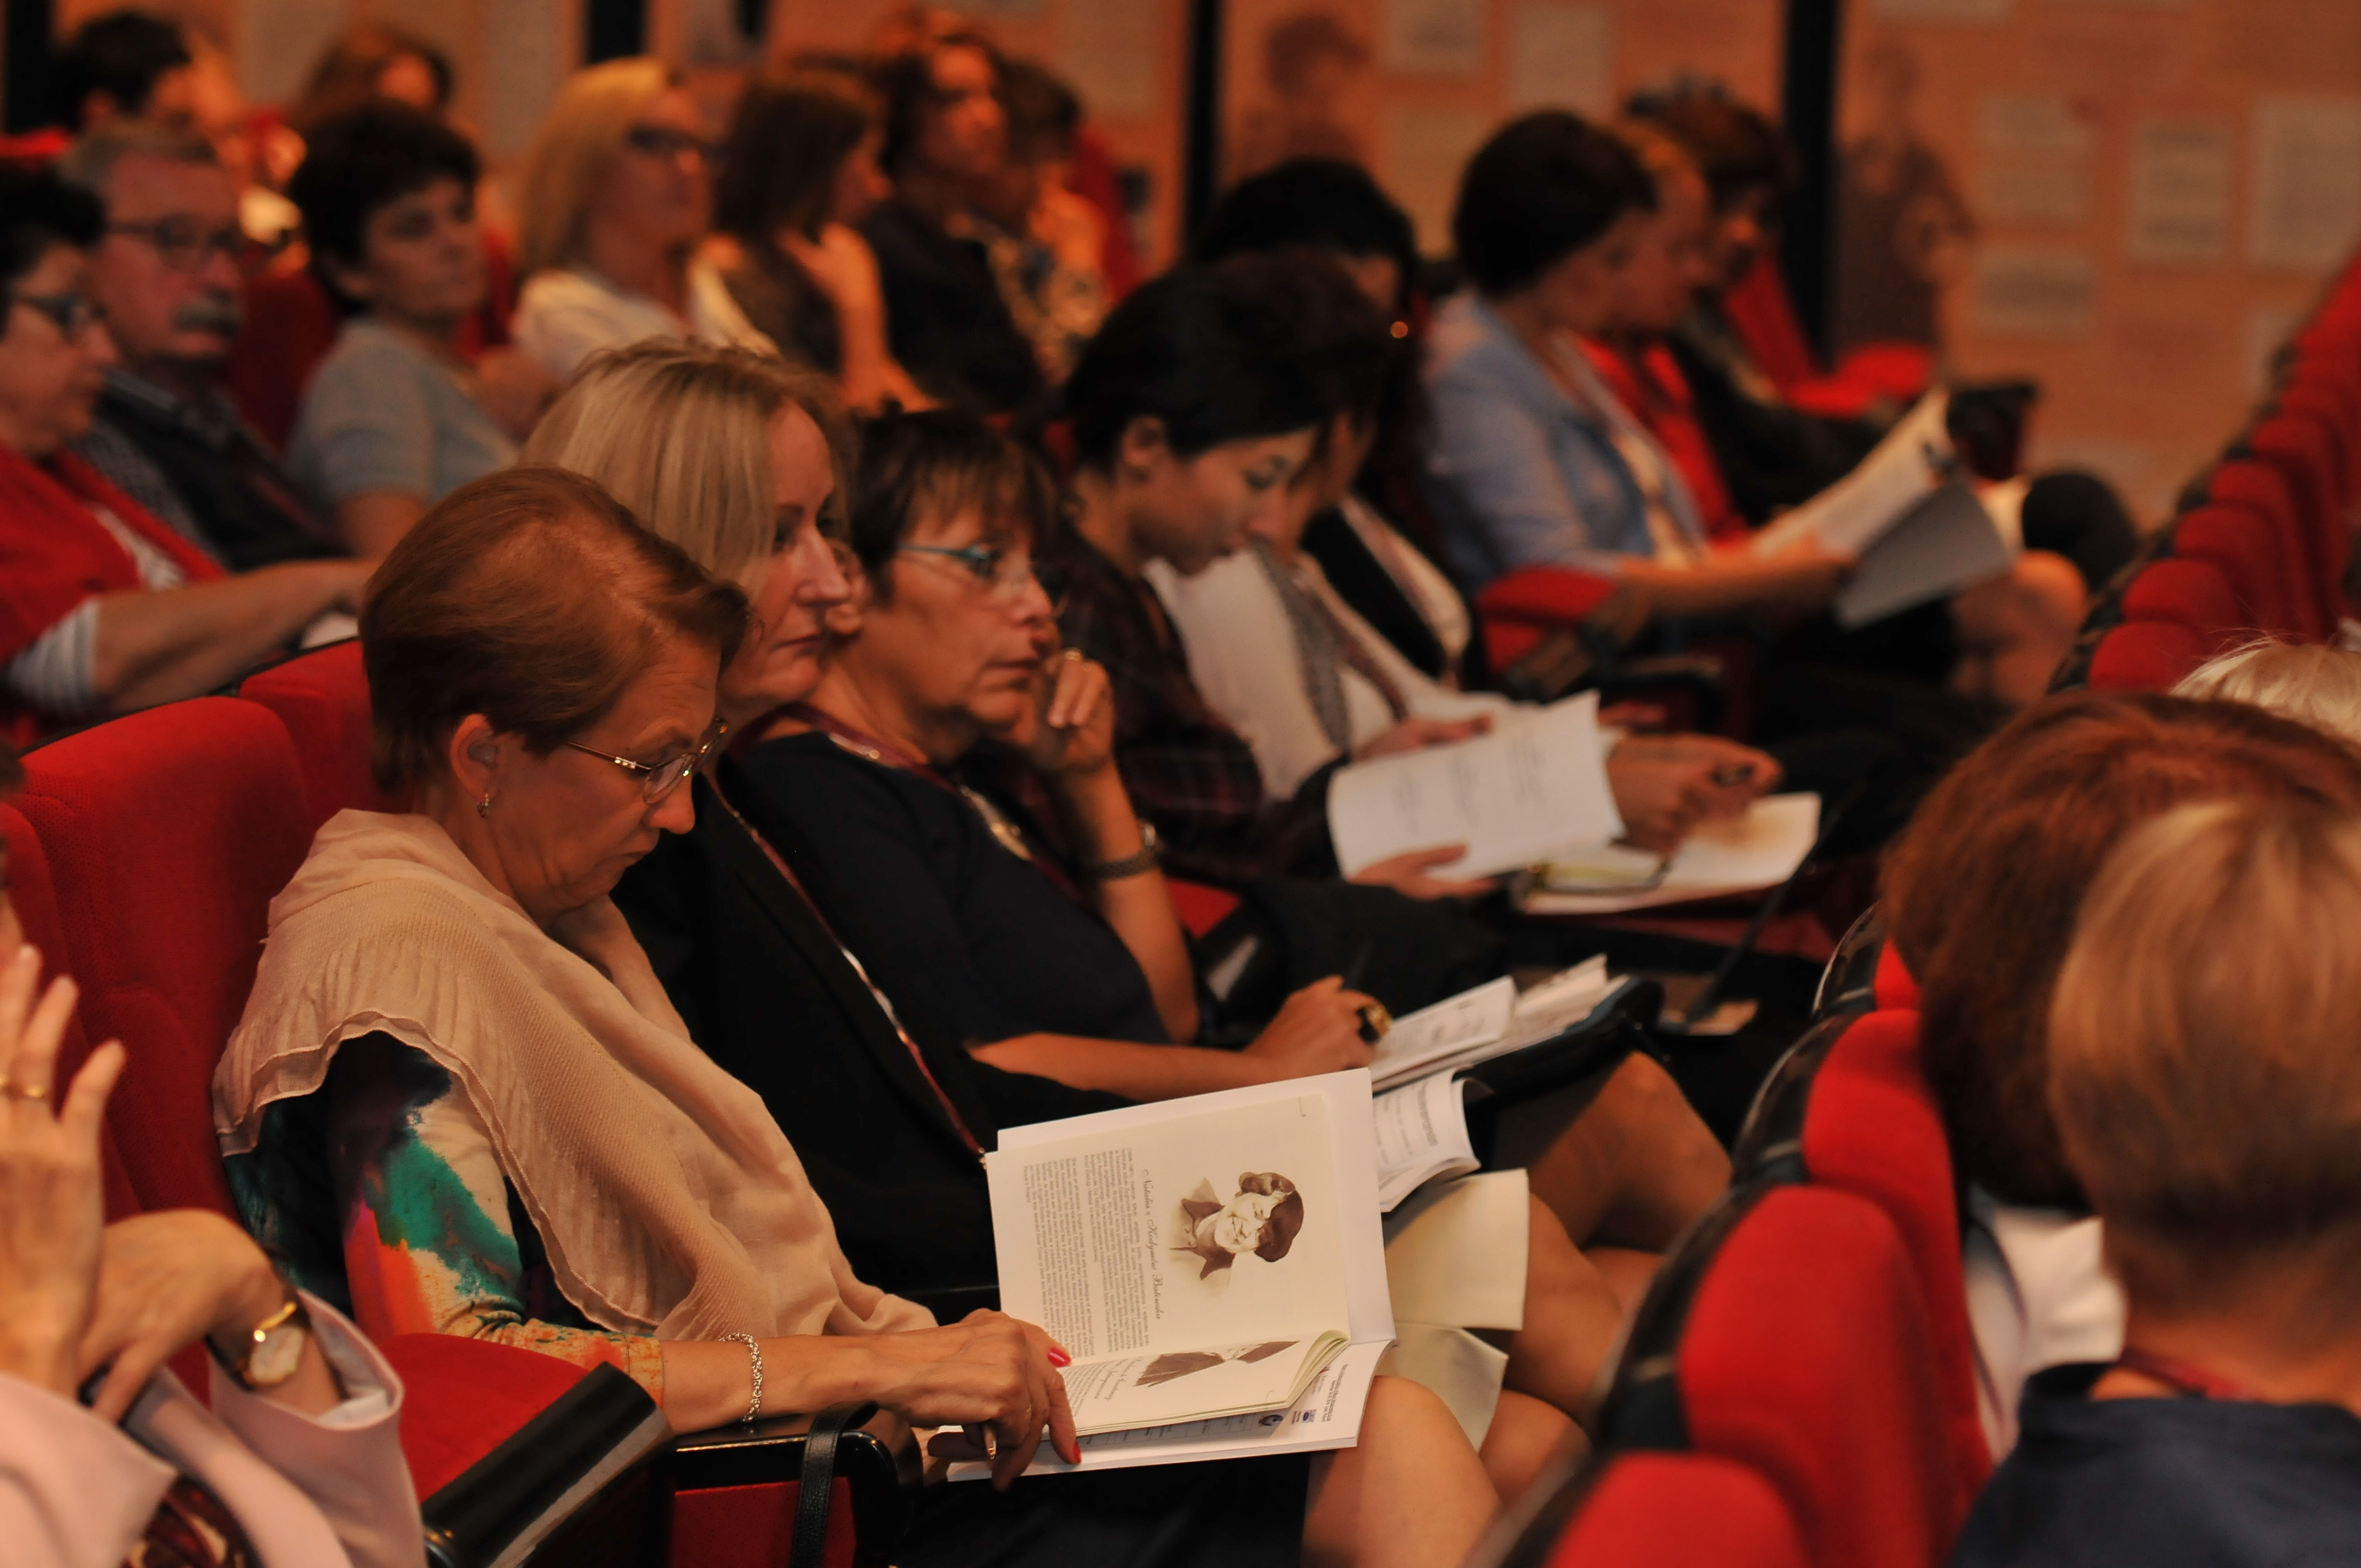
x,y
658,779
1002,574
664,142
71,314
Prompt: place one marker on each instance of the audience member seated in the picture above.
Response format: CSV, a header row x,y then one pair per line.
x,y
1075,966
369,62
1044,242
168,276
106,1456
1770,454
798,174
945,135
536,1152
2316,684
2203,1075
1995,641
102,607
125,65
390,422
1305,679
617,190
1980,897
1376,546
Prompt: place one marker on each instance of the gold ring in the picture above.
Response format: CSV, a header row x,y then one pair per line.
x,y
23,1090
1073,655
1376,1021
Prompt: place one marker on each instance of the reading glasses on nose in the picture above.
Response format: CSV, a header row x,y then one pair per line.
x,y
664,142
71,314
658,779
1003,573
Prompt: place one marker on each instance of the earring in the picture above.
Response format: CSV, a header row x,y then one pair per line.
x,y
484,807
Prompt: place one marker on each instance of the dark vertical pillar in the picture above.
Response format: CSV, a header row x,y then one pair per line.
x,y
1808,105
1201,165
27,43
613,28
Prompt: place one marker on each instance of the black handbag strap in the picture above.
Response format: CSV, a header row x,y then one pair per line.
x,y
815,1486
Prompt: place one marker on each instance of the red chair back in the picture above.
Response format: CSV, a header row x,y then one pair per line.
x,y
2188,593
1679,1510
2260,576
1805,1356
168,833
323,699
1894,986
1871,1128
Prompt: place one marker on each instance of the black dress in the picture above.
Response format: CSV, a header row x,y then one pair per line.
x,y
945,318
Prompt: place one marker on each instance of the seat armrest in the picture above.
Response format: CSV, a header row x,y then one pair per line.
x,y
497,1511
877,1462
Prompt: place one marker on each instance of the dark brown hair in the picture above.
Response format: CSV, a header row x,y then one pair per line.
x,y
792,133
1980,892
534,598
939,463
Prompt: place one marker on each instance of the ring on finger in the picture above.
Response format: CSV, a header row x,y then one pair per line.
x,y
1376,1021
23,1090
1071,655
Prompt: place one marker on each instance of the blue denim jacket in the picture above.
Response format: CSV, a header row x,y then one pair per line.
x,y
1520,474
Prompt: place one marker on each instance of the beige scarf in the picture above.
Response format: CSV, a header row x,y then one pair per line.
x,y
670,1201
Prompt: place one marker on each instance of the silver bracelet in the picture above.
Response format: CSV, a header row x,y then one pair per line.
x,y
754,1354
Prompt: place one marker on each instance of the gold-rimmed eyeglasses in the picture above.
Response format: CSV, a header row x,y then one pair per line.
x,y
658,779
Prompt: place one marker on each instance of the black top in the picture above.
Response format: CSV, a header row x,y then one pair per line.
x,y
945,318
201,470
993,946
2167,1484
766,991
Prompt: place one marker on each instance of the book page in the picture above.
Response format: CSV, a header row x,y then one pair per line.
x,y
1529,789
1212,1229
1474,1017
1946,542
1747,853
1422,1133
1849,515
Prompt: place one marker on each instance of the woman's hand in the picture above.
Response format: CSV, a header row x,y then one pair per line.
x,y
1076,733
841,266
1410,875
50,1210
1418,734
166,1280
1318,1030
1664,786
988,1373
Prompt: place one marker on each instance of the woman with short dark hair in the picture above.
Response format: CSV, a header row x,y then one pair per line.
x,y
390,422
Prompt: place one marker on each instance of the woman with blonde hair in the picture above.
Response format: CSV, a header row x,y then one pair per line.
x,y
617,190
2312,683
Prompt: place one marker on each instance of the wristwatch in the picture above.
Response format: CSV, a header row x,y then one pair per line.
x,y
1144,858
269,1352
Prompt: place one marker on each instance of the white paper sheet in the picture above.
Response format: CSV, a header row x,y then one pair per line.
x,y
1473,1017
2305,193
2181,176
1947,542
1422,1133
1530,789
1431,38
2033,161
2034,290
1561,57
1745,854
1849,515
1456,1255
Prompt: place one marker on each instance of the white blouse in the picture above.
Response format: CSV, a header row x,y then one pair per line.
x,y
564,317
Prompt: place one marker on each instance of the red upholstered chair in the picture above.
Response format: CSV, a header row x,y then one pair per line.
x,y
2302,452
1201,907
1520,609
2259,489
2146,656
1871,1127
2187,592
168,834
1675,1510
1805,1356
322,700
1895,985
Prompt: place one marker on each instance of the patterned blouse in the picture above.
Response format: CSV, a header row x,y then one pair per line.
x,y
381,1194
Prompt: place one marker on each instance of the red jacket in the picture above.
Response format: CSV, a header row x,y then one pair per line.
x,y
54,554
1656,394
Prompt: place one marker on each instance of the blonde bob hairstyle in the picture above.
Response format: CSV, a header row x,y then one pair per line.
x,y
2202,1063
680,432
579,142
2311,682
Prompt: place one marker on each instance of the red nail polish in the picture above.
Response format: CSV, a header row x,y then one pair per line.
x,y
1060,1358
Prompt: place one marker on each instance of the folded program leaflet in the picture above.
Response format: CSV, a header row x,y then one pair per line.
x,y
1215,1265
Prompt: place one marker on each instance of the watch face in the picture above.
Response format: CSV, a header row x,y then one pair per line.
x,y
275,1359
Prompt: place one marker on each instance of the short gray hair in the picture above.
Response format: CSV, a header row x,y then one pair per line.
x,y
90,161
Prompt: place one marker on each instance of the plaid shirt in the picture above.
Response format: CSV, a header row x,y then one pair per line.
x,y
1188,773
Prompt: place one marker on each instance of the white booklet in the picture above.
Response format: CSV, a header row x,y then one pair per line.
x,y
1747,853
1422,1134
1949,541
1215,1266
1535,786
1490,1020
1849,515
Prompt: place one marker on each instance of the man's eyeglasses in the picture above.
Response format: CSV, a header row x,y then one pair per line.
x,y
658,779
181,245
71,314
1002,574
663,141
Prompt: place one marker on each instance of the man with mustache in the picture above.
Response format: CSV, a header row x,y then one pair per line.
x,y
168,277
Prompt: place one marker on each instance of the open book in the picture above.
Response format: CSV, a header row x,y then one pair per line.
x,y
1490,1020
1849,515
1215,1265
1534,788
1747,853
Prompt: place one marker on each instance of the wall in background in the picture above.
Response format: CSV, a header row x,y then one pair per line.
x,y
2129,200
